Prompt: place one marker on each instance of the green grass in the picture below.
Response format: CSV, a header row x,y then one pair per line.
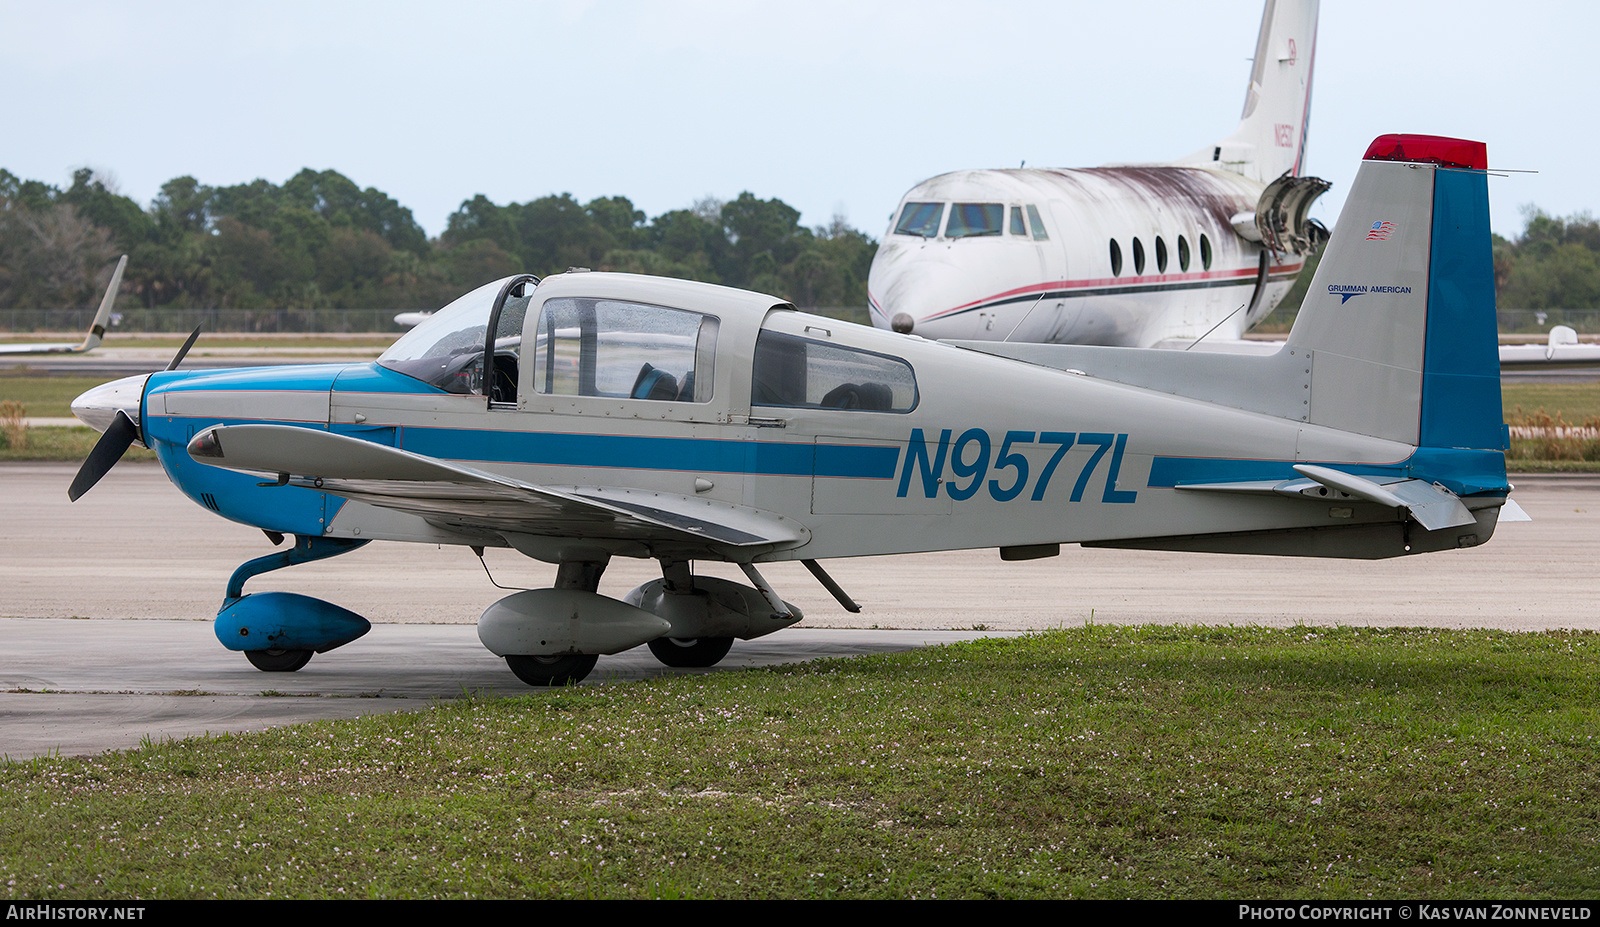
x,y
51,397
1574,402
61,444
45,397
1148,762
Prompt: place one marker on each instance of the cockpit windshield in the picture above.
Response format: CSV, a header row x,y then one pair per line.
x,y
447,349
970,219
920,219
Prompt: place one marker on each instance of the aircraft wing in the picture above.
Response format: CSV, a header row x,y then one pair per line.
x,y
452,496
97,328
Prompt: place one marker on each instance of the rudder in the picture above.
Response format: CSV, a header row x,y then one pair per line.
x,y
1400,317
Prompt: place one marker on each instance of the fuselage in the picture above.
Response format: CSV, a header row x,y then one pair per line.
x,y
934,462
1129,256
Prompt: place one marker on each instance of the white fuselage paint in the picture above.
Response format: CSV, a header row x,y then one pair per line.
x,y
1062,285
1182,271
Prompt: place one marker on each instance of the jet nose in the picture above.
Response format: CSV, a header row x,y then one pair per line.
x,y
912,288
97,407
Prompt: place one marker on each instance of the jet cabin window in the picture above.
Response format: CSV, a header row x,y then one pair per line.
x,y
621,350
804,374
968,220
921,219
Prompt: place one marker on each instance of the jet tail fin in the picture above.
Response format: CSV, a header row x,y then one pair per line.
x,y
1270,140
97,328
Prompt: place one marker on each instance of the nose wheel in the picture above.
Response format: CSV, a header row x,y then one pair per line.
x,y
278,661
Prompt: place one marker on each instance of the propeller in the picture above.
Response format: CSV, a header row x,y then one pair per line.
x,y
187,344
107,451
116,440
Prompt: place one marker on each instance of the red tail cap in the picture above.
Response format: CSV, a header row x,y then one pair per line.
x,y
1429,149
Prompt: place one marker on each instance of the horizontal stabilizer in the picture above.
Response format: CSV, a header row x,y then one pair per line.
x,y
1429,504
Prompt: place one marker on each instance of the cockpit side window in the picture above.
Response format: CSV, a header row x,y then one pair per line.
x,y
806,374
921,219
622,350
1039,233
1017,225
968,220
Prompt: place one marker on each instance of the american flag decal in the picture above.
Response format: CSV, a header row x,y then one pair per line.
x,y
1381,231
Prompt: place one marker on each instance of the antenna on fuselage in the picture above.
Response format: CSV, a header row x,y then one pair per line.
x,y
1215,327
1023,319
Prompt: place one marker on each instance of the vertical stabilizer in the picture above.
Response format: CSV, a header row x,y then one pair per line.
x,y
1399,320
1271,137
102,316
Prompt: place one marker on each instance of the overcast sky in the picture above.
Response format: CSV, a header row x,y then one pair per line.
x,y
833,107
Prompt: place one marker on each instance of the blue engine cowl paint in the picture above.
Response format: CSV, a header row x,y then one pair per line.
x,y
234,495
286,621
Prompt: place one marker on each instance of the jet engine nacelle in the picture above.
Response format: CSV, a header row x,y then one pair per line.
x,y
714,608
1280,218
557,621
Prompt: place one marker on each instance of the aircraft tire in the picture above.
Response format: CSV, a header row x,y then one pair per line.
x,y
555,670
691,651
278,661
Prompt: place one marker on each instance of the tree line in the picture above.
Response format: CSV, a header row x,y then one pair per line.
x,y
319,241
1553,264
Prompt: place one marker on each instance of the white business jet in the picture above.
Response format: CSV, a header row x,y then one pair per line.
x,y
97,328
1134,255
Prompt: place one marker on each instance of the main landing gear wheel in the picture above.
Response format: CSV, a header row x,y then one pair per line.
x,y
691,651
555,670
278,661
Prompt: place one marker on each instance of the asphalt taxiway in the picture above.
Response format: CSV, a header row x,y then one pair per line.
x,y
107,603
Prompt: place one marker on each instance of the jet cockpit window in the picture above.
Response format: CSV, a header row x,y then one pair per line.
x,y
971,219
1039,233
622,350
1017,226
446,350
920,219
805,374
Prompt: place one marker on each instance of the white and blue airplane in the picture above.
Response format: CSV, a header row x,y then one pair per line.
x,y
588,416
97,327
1137,255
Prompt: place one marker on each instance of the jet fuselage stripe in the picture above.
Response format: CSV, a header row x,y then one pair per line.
x,y
1100,287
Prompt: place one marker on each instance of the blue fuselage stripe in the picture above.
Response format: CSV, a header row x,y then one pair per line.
x,y
630,452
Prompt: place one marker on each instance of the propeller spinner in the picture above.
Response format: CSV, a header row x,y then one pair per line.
x,y
114,409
